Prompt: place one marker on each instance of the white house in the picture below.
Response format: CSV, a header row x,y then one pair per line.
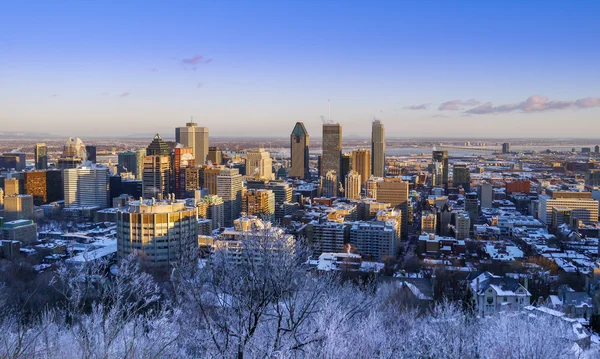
x,y
493,294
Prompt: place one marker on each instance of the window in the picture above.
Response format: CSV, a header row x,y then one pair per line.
x,y
505,299
490,300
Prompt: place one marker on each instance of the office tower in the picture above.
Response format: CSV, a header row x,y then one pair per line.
x,y
40,152
332,147
11,187
196,138
361,163
395,192
596,149
74,148
259,164
209,178
35,185
156,175
371,187
24,231
140,154
212,208
13,160
299,142
283,195
327,237
158,147
133,188
19,206
182,159
229,188
472,207
166,232
115,187
487,195
54,186
461,176
353,184
506,148
428,223
378,149
440,169
592,178
90,152
86,187
375,240
215,156
346,164
329,184
65,163
444,219
581,205
259,203
128,163
463,225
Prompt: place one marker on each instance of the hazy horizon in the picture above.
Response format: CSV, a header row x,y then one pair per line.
x,y
427,70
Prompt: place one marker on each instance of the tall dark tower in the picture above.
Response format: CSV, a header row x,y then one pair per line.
x,y
299,142
440,169
377,149
332,147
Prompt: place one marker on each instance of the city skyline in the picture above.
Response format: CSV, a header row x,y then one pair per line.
x,y
425,70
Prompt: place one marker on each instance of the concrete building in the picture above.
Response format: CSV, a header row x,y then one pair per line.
x,y
378,149
259,164
196,138
581,205
209,178
17,207
215,156
461,176
212,208
259,203
395,192
164,232
156,175
40,154
283,192
506,148
428,223
132,162
487,195
13,160
332,147
361,163
86,187
22,230
182,160
229,188
74,147
325,236
35,185
377,240
463,225
352,188
472,206
11,187
299,144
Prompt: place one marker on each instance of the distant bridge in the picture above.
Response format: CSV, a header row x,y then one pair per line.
x,y
468,148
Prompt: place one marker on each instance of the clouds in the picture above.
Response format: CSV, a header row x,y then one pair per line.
x,y
125,94
424,106
456,105
536,103
193,62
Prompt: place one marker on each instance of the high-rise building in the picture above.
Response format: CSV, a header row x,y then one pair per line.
x,y
210,176
461,176
215,156
74,147
54,186
376,240
581,205
463,225
158,147
11,187
128,163
361,163
506,148
259,203
24,231
327,237
212,207
13,160
164,232
395,192
35,185
182,160
229,188
378,149
259,164
332,147
487,195
428,223
299,142
472,207
353,185
196,138
283,195
86,187
90,152
156,175
592,178
596,149
40,153
346,165
65,163
440,169
19,206
329,184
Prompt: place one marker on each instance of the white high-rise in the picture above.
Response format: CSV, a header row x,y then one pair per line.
x,y
229,188
196,138
86,186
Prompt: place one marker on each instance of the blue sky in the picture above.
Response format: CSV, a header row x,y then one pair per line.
x,y
255,68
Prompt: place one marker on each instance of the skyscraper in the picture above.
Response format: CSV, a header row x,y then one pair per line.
x,y
440,169
35,185
128,162
74,148
229,188
182,158
155,177
361,163
259,164
461,176
260,203
353,184
41,156
395,192
195,137
215,156
86,186
332,147
158,147
299,142
506,148
90,152
329,184
378,149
